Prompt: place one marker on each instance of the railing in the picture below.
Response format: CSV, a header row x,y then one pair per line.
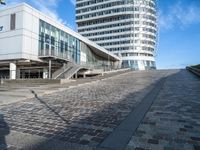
x,y
72,64
73,70
103,66
194,70
52,53
60,71
47,53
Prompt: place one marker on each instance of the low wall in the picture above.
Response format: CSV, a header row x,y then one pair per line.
x,y
194,71
30,81
118,70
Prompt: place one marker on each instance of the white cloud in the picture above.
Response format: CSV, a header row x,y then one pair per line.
x,y
48,7
73,2
179,14
166,21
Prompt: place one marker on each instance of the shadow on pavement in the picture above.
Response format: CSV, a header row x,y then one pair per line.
x,y
4,130
47,106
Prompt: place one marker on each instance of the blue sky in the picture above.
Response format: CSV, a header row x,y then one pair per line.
x,y
179,28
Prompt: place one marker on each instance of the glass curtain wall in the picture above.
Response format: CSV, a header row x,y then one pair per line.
x,y
134,64
57,43
94,60
130,64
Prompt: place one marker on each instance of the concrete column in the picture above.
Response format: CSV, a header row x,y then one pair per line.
x,y
18,73
45,73
76,75
13,69
49,69
64,66
141,65
118,64
129,64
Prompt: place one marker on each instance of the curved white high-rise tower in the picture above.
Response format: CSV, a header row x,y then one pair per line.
x,y
128,28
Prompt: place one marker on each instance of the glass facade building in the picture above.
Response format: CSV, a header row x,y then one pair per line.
x,y
128,28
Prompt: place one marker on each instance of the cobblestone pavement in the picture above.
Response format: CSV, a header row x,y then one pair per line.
x,y
84,115
14,92
173,121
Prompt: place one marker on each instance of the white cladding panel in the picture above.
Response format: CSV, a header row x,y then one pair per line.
x,y
21,43
10,40
31,35
4,23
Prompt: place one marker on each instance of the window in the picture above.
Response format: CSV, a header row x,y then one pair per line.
x,y
56,42
12,21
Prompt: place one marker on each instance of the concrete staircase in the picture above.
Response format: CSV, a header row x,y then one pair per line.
x,y
60,72
72,71
67,71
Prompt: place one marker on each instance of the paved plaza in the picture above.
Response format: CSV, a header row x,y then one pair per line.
x,y
85,116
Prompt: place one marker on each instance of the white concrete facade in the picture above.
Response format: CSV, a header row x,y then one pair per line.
x,y
22,42
127,28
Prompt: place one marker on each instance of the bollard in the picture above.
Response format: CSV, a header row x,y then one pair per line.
x,y
1,80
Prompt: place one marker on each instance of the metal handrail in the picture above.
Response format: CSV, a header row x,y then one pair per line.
x,y
194,70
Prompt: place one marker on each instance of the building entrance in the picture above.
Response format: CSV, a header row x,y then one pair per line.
x,y
4,73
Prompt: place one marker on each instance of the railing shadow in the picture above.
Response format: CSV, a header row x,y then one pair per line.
x,y
47,106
